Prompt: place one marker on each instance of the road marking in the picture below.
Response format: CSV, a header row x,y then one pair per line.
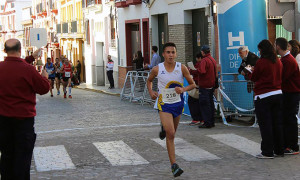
x,y
119,154
238,142
188,151
52,158
104,127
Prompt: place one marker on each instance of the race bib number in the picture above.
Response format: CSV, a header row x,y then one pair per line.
x,y
67,74
170,96
49,71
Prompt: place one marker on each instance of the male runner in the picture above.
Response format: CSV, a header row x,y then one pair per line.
x,y
57,75
66,77
169,97
50,68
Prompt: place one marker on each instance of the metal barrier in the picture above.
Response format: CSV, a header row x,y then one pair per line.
x,y
233,98
135,86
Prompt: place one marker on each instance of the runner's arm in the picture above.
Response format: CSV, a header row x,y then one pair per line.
x,y
189,79
150,79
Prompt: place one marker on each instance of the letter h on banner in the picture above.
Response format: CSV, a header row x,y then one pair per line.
x,y
231,39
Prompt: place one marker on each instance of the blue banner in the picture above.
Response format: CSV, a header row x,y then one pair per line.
x,y
241,23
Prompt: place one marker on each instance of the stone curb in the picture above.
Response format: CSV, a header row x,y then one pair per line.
x,y
99,91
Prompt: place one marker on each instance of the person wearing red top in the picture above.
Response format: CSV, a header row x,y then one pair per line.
x,y
67,74
20,82
268,100
291,93
206,80
192,101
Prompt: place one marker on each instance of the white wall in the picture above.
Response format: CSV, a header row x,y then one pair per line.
x,y
176,14
129,13
96,37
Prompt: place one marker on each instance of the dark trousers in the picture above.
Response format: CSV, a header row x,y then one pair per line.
x,y
110,78
269,115
78,76
194,108
207,107
290,124
17,140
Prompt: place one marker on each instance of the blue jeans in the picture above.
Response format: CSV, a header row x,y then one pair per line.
x,y
207,107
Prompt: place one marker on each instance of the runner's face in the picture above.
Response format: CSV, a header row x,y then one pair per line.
x,y
170,54
48,60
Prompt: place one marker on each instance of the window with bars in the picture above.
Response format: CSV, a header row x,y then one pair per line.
x,y
87,32
112,32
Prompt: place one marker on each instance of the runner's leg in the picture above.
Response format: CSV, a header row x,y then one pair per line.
x,y
70,87
168,124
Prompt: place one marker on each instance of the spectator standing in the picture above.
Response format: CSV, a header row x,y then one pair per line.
x,y
267,75
192,101
155,58
17,111
139,60
248,58
291,91
294,48
206,71
78,70
110,71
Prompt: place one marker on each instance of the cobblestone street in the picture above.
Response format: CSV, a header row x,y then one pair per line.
x,y
97,136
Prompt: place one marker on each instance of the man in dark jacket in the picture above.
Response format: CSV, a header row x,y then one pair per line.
x,y
248,58
20,82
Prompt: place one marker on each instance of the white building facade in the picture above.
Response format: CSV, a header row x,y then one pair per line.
x,y
100,40
10,21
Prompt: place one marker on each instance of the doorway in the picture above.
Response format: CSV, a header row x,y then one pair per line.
x,y
163,33
199,30
146,52
99,65
133,39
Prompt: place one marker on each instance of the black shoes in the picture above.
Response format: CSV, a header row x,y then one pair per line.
x,y
206,126
176,170
162,133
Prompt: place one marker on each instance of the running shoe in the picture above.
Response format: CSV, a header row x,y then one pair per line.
x,y
65,95
176,170
162,133
51,95
289,151
58,92
260,156
70,96
193,123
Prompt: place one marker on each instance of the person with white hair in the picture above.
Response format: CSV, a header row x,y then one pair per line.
x,y
248,58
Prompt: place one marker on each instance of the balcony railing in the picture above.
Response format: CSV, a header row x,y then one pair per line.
x,y
58,28
121,4
93,2
65,27
133,2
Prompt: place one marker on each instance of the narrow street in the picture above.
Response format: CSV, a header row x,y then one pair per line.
x,y
97,136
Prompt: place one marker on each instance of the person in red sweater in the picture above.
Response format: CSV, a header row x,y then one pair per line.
x,y
20,82
267,75
291,91
192,101
206,72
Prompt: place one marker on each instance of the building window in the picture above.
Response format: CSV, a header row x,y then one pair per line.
x,y
112,32
12,5
2,7
87,32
